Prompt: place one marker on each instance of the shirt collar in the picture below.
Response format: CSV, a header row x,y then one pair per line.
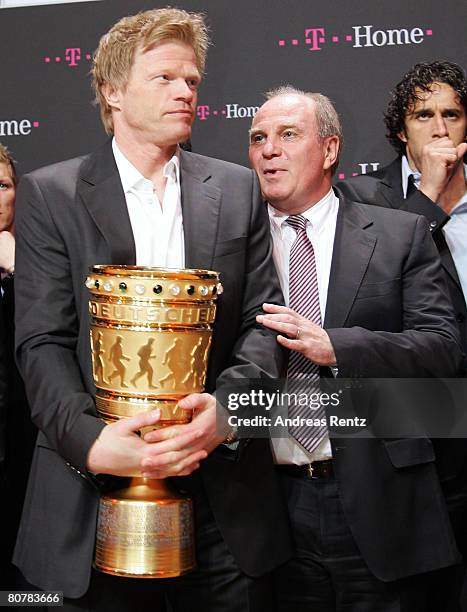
x,y
460,207
318,214
131,177
407,172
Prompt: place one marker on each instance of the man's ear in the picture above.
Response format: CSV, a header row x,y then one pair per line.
x,y
402,136
111,95
331,151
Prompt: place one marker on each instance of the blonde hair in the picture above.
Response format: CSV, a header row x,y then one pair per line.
x,y
6,158
114,56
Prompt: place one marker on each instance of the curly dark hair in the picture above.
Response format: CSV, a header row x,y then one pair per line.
x,y
404,96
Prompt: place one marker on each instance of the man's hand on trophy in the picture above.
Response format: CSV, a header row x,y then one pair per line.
x,y
120,450
177,450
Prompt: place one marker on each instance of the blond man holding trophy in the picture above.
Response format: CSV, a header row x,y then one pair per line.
x,y
140,200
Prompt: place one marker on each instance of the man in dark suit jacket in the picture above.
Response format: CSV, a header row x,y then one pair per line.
x,y
426,122
3,386
17,421
85,211
367,512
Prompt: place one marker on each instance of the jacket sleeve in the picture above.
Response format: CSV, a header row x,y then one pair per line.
x,y
47,329
256,353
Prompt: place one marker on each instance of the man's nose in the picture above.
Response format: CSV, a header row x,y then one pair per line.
x,y
440,126
271,148
184,91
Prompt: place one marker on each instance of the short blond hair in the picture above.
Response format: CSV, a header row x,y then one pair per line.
x,y
7,159
114,55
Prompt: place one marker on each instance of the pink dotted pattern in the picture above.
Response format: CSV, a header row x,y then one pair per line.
x,y
57,59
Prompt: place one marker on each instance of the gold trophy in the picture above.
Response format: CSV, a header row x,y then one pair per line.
x,y
150,335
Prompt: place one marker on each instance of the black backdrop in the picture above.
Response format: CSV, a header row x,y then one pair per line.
x,y
354,52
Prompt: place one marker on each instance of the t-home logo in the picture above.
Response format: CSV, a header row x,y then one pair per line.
x,y
70,56
363,168
17,127
228,111
358,36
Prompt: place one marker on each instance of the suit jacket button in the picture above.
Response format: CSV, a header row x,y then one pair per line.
x,y
433,224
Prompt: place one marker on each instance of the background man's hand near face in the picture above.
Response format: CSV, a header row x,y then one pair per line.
x,y
442,168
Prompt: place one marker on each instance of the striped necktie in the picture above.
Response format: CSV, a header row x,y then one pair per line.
x,y
303,374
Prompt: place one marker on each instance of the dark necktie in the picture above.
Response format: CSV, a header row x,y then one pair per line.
x,y
303,374
411,187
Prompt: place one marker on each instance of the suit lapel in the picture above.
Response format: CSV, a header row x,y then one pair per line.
x,y
101,191
446,257
200,205
390,186
353,249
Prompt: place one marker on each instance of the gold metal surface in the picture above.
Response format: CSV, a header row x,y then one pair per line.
x,y
150,337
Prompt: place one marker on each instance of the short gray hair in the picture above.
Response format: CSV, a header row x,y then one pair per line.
x,y
327,119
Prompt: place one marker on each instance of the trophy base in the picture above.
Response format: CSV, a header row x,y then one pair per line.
x,y
123,574
145,531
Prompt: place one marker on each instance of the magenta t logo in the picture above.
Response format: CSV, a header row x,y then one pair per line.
x,y
203,112
72,56
315,37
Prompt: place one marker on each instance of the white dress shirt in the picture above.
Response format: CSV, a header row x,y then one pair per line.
x,y
157,227
455,230
321,229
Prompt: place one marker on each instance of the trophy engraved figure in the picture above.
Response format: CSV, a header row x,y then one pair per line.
x,y
198,364
150,337
97,357
145,355
175,360
117,357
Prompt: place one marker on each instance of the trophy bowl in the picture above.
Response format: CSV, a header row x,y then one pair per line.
x,y
150,335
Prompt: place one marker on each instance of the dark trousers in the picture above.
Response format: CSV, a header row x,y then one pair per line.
x,y
217,585
328,573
